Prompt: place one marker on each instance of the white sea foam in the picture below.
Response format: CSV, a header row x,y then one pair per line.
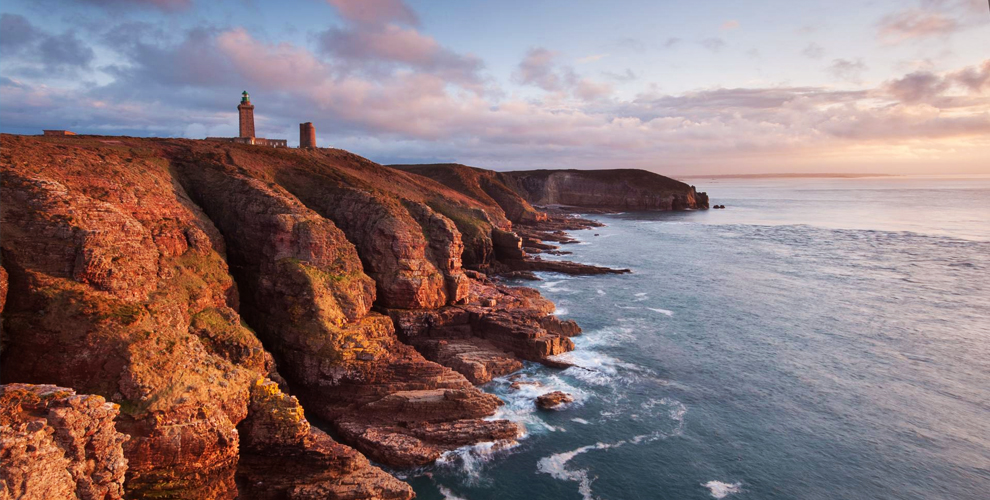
x,y
722,490
580,421
471,458
556,466
641,294
447,494
601,292
560,311
661,311
519,407
554,286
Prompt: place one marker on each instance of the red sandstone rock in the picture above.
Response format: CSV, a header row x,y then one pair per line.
x,y
120,286
345,363
553,400
3,300
284,457
56,444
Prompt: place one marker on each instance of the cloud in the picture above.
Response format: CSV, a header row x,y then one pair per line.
x,y
391,44
164,5
729,25
539,68
916,24
397,93
591,58
590,90
920,86
671,42
375,12
813,51
17,32
844,69
975,78
630,44
375,41
713,44
31,51
626,76
280,66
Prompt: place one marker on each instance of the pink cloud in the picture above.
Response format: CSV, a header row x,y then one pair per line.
x,y
539,68
375,12
395,44
914,24
590,90
281,66
974,78
920,86
414,109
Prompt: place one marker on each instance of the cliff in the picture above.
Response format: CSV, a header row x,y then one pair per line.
x,y
210,291
56,444
613,190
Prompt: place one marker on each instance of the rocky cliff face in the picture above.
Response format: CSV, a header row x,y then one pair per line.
x,y
516,192
172,277
56,444
624,189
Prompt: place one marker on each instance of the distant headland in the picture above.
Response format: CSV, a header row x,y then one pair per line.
x,y
820,175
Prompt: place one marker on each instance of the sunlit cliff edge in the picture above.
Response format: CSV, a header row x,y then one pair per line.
x,y
172,306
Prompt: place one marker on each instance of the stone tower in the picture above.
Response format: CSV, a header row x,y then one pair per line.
x,y
307,135
246,110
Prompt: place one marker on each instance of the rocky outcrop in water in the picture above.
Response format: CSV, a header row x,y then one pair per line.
x,y
553,400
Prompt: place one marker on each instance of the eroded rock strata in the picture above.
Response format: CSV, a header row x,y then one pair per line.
x,y
57,444
171,277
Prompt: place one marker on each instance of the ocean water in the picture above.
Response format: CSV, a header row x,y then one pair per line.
x,y
818,339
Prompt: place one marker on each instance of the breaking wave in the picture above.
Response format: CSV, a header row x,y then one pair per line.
x,y
719,489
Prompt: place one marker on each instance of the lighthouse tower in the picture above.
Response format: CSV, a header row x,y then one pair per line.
x,y
246,110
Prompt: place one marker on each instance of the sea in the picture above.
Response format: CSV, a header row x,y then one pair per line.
x,y
817,339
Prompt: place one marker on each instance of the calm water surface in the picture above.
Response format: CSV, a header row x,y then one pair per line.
x,y
818,339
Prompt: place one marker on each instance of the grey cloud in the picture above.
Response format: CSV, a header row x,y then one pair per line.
x,y
974,78
539,69
813,51
626,76
713,44
917,87
631,44
33,52
164,5
17,32
844,69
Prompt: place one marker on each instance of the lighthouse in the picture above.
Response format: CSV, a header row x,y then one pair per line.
x,y
246,110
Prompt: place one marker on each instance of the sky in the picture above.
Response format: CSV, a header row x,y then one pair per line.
x,y
676,87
